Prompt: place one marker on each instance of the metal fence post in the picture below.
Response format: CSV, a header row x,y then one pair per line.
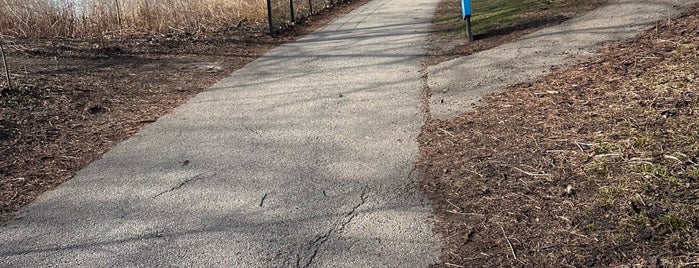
x,y
469,33
466,15
291,7
269,17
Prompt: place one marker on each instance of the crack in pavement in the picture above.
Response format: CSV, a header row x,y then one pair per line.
x,y
315,245
200,176
253,131
413,168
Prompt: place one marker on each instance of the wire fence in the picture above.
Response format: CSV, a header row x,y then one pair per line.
x,y
85,18
282,13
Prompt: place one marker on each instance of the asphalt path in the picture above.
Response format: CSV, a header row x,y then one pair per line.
x,y
303,158
458,84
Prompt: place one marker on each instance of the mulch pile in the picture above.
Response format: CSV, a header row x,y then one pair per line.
x,y
74,99
596,164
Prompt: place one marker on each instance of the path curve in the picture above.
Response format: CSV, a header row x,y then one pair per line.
x,y
303,158
458,84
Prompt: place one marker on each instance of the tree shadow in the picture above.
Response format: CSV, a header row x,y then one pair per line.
x,y
523,26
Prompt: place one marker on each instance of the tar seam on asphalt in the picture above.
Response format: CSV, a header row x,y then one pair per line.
x,y
262,201
183,183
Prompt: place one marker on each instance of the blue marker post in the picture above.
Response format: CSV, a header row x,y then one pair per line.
x,y
466,15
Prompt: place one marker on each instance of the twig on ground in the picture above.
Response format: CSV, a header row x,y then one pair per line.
x,y
465,213
607,155
644,161
508,241
445,131
580,147
471,171
559,151
453,265
564,218
672,157
669,41
455,206
531,174
474,258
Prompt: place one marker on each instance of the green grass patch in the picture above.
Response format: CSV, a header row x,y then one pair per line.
x,y
493,15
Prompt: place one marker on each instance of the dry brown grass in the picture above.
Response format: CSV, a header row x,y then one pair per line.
x,y
84,18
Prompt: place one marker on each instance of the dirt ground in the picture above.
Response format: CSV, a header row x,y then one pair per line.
x,y
72,100
596,164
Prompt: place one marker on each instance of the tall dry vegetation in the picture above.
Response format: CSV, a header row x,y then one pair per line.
x,y
85,18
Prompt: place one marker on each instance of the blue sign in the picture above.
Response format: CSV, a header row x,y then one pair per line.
x,y
465,8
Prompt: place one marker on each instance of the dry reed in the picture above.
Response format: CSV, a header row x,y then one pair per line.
x,y
85,18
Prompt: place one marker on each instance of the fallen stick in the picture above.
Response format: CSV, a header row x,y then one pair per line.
x,y
508,241
455,206
465,213
445,131
531,174
4,63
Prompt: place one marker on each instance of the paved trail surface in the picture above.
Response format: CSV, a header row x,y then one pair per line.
x,y
304,158
459,83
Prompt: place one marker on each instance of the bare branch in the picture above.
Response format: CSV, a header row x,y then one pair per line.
x,y
508,241
4,63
